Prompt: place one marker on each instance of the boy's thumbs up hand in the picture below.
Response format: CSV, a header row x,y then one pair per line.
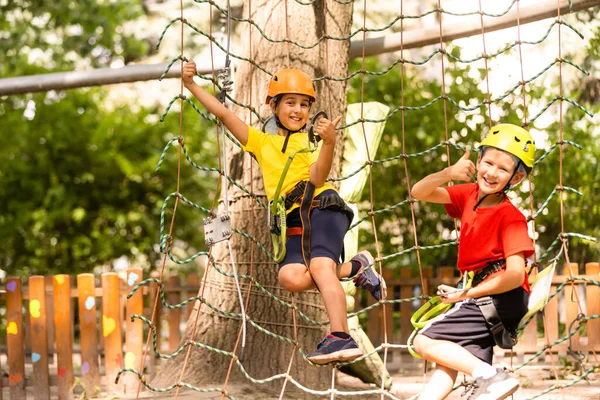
x,y
463,169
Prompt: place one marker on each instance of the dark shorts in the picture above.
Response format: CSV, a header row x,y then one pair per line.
x,y
328,228
464,324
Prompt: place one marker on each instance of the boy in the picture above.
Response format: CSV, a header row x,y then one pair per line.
x,y
290,96
493,244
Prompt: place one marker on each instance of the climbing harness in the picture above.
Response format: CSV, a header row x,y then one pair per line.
x,y
302,194
505,339
433,310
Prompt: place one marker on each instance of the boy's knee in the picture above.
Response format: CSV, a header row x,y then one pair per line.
x,y
420,344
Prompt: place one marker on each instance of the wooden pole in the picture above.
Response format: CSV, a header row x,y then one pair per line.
x,y
111,330
39,343
14,340
88,321
63,329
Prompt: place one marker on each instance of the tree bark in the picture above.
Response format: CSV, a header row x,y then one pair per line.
x,y
264,355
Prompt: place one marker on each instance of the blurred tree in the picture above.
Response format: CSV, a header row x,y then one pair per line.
x,y
77,181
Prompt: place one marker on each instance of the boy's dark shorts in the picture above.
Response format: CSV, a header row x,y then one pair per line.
x,y
328,228
464,324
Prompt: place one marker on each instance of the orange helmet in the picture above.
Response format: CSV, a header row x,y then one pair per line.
x,y
290,81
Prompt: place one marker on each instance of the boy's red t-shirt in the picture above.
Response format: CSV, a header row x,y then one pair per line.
x,y
487,234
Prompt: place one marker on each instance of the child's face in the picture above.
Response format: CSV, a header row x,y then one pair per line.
x,y
292,110
494,169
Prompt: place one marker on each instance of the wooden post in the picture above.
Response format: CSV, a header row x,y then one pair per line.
x,y
88,321
592,294
551,316
528,341
49,280
39,344
194,281
111,330
15,339
406,311
134,335
388,276
155,316
173,298
571,305
63,330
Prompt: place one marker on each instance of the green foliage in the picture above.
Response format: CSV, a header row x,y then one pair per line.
x,y
77,182
79,190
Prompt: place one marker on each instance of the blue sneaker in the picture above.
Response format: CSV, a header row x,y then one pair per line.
x,y
333,348
369,279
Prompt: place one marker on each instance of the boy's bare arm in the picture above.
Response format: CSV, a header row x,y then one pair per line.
x,y
236,126
428,189
319,171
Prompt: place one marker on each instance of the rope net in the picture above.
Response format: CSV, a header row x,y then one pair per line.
x,y
221,82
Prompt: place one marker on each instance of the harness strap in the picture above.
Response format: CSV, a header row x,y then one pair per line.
x,y
503,338
305,207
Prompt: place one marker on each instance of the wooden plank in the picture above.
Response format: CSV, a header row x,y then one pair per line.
x,y
50,314
134,335
39,344
406,311
155,314
194,281
111,331
551,320
571,305
529,338
63,330
389,308
592,295
15,339
88,321
174,314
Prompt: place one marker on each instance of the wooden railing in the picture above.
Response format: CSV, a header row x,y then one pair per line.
x,y
68,333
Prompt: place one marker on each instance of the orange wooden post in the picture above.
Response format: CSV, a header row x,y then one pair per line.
x,y
174,298
111,330
550,313
592,294
155,316
63,331
39,345
134,335
571,305
88,321
193,280
429,288
49,281
15,339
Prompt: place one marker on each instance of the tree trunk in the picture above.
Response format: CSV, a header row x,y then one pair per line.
x,y
265,355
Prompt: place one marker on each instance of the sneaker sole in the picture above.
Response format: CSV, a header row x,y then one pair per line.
x,y
507,388
342,355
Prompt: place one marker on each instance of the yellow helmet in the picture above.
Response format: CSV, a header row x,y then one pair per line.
x,y
290,81
514,140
